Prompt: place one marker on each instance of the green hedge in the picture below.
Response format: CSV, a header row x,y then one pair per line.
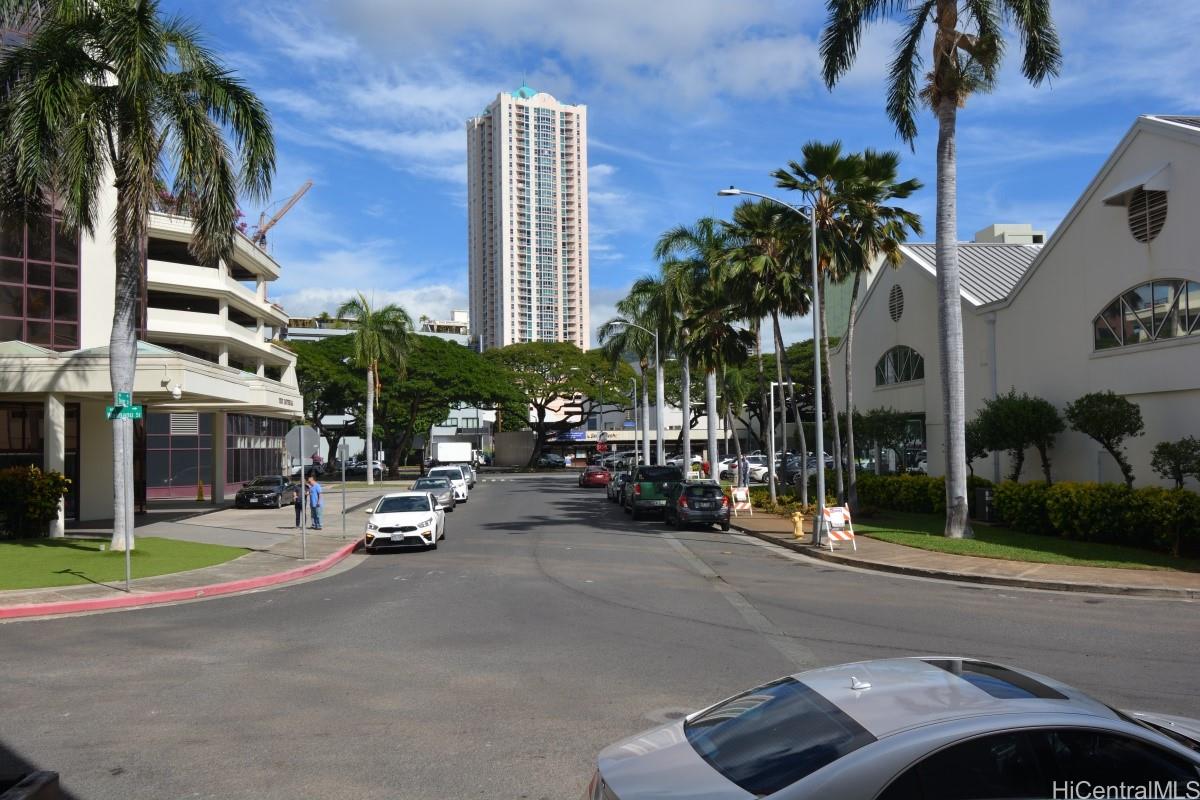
x,y
29,500
1149,517
922,494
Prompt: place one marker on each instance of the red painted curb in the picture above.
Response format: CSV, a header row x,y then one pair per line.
x,y
175,595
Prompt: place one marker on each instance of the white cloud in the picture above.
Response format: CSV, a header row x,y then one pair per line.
x,y
435,301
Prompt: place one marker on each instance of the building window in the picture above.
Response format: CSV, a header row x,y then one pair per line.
x,y
901,364
1150,312
39,283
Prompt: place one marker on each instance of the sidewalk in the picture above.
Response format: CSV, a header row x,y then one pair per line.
x,y
887,557
276,550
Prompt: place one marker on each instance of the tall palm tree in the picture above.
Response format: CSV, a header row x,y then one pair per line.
x,y
827,177
769,267
110,90
967,45
619,339
697,252
381,335
878,231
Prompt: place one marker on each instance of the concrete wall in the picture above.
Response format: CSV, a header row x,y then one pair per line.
x,y
95,462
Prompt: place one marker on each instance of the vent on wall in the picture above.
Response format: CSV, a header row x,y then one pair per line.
x,y
1147,214
185,424
896,303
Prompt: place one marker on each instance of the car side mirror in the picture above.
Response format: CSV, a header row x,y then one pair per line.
x,y
368,511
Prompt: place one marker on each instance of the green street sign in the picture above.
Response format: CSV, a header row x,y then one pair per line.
x,y
124,398
123,412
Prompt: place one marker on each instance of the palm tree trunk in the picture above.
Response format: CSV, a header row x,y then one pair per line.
x,y
645,416
370,426
950,335
762,382
779,379
851,467
831,410
710,411
801,439
122,364
660,403
685,393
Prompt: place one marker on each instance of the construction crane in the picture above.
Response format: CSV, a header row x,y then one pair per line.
x,y
264,224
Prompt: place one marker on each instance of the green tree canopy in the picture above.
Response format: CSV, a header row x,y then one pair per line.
x,y
329,385
1110,419
560,384
1014,422
1175,461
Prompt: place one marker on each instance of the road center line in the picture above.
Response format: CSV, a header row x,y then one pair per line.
x,y
787,646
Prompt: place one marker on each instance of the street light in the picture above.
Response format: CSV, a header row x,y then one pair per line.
x,y
659,397
811,216
636,435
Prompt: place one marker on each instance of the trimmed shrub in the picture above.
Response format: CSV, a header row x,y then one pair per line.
x,y
923,494
1023,506
29,500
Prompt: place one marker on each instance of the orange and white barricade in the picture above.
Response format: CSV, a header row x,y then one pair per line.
x,y
741,500
838,527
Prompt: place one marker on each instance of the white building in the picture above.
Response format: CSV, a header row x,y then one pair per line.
x,y
1110,302
527,190
219,392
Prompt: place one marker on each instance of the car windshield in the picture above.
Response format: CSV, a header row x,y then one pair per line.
x,y
773,736
398,505
705,491
431,483
450,474
659,474
266,481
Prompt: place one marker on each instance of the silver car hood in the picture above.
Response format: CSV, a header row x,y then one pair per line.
x,y
660,764
1184,726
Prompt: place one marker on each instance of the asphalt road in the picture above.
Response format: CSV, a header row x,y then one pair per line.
x,y
546,626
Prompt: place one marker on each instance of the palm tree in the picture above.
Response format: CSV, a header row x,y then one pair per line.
x,y
381,335
878,231
109,90
968,43
768,270
696,253
618,339
828,178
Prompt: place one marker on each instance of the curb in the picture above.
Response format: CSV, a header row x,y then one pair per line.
x,y
176,595
966,577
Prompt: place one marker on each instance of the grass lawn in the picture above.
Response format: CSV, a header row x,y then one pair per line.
x,y
925,531
36,563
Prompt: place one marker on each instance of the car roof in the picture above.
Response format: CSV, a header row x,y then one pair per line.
x,y
453,467
905,693
390,495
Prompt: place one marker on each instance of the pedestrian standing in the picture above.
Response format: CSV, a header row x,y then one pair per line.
x,y
298,501
744,472
316,502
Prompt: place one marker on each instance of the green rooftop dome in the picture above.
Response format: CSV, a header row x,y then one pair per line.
x,y
525,92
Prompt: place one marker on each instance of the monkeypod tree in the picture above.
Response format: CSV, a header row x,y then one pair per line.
x,y
1176,461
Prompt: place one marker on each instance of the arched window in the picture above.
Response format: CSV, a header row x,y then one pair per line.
x,y
1150,312
899,365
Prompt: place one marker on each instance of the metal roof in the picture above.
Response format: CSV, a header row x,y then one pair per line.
x,y
1191,122
988,272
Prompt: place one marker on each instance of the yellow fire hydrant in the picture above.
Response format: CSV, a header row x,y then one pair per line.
x,y
199,491
798,525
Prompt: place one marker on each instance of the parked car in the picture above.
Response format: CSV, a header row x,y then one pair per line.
x,y
647,489
271,491
453,473
440,487
615,485
697,503
902,728
404,519
551,460
358,469
677,461
595,476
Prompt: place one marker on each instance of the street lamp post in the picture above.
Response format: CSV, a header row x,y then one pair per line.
x,y
636,433
811,216
659,394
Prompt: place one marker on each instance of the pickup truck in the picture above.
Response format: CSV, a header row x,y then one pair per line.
x,y
647,489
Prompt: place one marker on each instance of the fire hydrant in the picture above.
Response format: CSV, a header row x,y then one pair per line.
x,y
798,525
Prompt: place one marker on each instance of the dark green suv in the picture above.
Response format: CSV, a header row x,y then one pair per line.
x,y
647,489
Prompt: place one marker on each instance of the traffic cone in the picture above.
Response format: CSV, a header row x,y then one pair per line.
x,y
199,491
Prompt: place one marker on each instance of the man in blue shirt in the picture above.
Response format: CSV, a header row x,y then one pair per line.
x,y
315,503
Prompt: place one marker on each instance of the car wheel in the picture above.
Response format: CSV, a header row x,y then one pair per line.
x,y
279,501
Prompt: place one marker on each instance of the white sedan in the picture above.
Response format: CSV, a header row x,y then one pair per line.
x,y
457,479
404,519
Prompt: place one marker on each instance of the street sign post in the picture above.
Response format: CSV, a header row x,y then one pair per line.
x,y
123,412
343,454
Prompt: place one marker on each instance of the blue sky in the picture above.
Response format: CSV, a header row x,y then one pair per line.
x,y
369,100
